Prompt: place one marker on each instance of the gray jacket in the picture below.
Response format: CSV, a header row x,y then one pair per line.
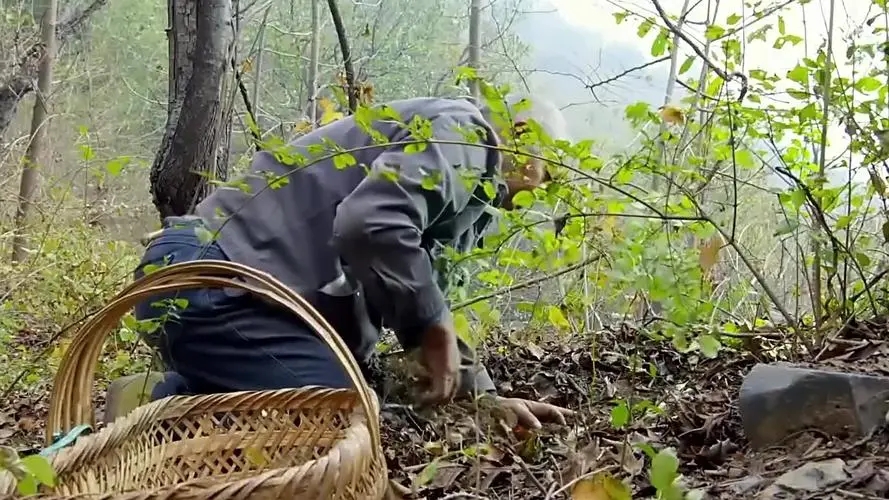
x,y
359,246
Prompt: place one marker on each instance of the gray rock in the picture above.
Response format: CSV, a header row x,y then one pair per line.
x,y
125,394
746,485
810,478
780,399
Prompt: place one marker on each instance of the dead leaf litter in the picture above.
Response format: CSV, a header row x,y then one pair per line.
x,y
632,396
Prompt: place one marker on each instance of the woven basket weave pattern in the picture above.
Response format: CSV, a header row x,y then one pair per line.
x,y
292,443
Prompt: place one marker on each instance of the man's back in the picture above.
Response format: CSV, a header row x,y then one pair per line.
x,y
285,228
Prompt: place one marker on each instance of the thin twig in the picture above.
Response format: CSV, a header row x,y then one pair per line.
x,y
592,86
348,65
455,496
530,474
697,50
526,284
578,479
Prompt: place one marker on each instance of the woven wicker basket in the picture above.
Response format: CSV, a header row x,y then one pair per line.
x,y
311,443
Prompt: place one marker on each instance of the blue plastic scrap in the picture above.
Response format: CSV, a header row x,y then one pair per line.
x,y
61,441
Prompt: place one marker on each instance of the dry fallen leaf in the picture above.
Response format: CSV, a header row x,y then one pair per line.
x,y
328,111
589,489
629,461
602,486
27,424
580,462
672,115
435,448
247,65
535,351
709,253
302,127
256,457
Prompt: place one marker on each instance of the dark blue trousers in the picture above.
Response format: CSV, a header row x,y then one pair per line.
x,y
226,340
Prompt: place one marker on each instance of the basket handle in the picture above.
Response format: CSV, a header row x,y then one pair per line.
x,y
71,400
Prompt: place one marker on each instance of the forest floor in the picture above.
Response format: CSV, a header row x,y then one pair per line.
x,y
681,401
699,420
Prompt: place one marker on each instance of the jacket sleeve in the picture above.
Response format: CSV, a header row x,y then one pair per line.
x,y
378,229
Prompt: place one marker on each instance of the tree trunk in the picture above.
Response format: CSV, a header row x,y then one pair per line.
x,y
475,42
200,38
348,66
36,152
314,56
20,83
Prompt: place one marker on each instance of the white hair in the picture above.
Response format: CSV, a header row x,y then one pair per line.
x,y
546,114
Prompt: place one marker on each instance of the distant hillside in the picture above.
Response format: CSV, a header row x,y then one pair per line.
x,y
565,57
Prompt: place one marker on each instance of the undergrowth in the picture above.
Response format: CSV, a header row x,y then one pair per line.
x,y
73,268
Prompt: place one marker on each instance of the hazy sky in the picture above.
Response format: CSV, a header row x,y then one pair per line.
x,y
809,21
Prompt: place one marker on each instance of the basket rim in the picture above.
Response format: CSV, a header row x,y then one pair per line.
x,y
71,399
356,441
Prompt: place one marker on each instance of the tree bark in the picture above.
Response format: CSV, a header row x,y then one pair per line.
x,y
36,152
348,66
21,81
314,56
475,42
200,39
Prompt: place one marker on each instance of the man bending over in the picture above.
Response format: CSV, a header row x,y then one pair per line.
x,y
357,243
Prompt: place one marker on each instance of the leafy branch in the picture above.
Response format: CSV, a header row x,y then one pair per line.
x,y
697,50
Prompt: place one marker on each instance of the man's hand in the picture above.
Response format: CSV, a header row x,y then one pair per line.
x,y
531,413
441,358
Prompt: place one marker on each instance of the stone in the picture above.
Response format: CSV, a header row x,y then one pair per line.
x,y
745,486
811,477
780,399
125,394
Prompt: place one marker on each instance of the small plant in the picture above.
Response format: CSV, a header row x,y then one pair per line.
x,y
30,472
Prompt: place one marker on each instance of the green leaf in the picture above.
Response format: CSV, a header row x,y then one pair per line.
x,y
27,486
664,469
431,180
204,235
620,16
793,39
782,28
130,321
659,46
151,268
415,147
637,112
523,199
868,84
86,152
686,65
343,160
709,346
557,318
620,415
427,474
464,329
713,32
277,181
744,158
810,112
490,190
644,27
886,232
844,221
786,228
41,469
733,19
863,259
115,166
799,74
